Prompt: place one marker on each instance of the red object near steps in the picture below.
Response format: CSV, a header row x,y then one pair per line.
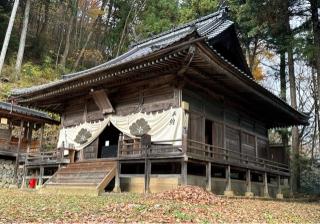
x,y
32,183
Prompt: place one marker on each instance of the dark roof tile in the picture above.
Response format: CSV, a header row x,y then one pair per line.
x,y
208,26
25,111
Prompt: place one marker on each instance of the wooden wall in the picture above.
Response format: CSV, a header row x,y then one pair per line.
x,y
231,127
152,97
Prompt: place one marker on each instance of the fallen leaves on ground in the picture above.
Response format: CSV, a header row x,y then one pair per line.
x,y
185,204
190,194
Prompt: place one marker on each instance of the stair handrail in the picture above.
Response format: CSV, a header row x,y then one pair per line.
x,y
106,179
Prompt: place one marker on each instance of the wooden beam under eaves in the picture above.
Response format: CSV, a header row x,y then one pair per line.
x,y
101,99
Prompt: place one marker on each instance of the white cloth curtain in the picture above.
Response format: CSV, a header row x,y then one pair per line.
x,y
165,126
67,136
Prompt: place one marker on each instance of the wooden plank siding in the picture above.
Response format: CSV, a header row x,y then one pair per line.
x,y
152,96
231,128
125,100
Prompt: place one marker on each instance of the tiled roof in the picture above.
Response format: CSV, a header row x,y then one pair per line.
x,y
209,26
24,111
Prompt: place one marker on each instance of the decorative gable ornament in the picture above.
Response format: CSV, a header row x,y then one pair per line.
x,y
140,127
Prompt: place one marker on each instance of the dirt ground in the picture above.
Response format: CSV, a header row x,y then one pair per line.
x,y
186,205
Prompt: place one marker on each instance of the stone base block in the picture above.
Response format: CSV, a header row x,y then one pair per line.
x,y
266,195
279,196
249,194
228,193
116,190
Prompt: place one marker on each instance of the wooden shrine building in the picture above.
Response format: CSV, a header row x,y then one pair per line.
x,y
178,108
21,136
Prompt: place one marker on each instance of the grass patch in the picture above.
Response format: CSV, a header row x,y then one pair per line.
x,y
23,206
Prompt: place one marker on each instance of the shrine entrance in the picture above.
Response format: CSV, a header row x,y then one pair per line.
x,y
108,142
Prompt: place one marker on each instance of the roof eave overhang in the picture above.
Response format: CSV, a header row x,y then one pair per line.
x,y
27,117
118,71
243,79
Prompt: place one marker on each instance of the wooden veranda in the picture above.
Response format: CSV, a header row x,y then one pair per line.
x,y
21,134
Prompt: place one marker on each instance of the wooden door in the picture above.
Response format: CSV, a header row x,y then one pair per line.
x,y
91,151
195,133
218,140
233,143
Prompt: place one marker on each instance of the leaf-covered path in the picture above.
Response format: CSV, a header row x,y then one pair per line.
x,y
23,206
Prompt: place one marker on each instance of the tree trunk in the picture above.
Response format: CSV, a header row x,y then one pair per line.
x,y
99,31
107,25
283,93
44,27
67,45
292,82
316,133
22,39
253,54
96,23
124,30
82,20
60,30
8,34
283,84
76,64
316,36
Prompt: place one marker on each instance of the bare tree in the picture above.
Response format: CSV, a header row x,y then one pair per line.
x,y
22,39
96,23
67,42
8,34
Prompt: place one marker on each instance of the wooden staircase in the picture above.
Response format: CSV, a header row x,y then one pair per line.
x,y
85,177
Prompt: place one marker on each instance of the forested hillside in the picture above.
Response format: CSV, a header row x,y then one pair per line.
x,y
280,39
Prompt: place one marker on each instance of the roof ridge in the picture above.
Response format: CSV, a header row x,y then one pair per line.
x,y
144,41
182,26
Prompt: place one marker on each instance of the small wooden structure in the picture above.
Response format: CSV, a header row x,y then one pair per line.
x,y
197,70
21,133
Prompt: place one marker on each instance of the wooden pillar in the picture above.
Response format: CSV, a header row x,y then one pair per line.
x,y
228,192
41,174
184,172
24,181
208,176
256,145
18,151
147,171
29,136
290,187
10,128
279,193
249,192
117,188
184,143
41,137
240,144
265,185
